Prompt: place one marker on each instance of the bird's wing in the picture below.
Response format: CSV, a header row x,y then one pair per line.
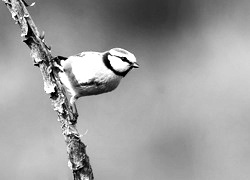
x,y
83,66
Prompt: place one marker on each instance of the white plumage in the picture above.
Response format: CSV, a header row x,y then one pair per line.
x,y
92,73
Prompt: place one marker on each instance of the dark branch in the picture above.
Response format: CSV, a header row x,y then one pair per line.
x,y
41,55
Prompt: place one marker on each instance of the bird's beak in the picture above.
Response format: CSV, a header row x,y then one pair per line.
x,y
135,65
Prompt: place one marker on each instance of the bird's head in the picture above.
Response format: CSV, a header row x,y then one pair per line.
x,y
120,61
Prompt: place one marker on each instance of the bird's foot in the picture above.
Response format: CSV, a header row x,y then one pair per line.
x,y
74,111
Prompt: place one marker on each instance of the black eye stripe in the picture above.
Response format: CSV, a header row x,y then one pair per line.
x,y
108,65
124,59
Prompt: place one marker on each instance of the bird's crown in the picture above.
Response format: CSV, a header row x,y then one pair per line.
x,y
123,55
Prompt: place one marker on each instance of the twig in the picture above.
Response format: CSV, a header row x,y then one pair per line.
x,y
41,54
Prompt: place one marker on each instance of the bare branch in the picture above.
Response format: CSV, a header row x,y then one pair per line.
x,y
41,55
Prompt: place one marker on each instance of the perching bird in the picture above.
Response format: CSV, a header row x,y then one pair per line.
x,y
92,73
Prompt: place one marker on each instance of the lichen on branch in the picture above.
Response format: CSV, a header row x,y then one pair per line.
x,y
41,55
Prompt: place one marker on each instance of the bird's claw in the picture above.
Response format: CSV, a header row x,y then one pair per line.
x,y
75,115
74,112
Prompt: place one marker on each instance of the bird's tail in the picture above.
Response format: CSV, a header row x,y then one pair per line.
x,y
57,62
58,59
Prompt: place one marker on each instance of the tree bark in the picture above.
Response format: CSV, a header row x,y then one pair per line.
x,y
41,55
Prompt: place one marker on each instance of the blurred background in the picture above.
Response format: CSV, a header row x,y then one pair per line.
x,y
184,114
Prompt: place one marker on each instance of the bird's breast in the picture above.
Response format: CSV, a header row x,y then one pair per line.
x,y
98,85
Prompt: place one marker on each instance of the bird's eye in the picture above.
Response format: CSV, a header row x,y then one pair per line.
x,y
123,58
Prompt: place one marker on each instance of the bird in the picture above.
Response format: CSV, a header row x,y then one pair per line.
x,y
92,73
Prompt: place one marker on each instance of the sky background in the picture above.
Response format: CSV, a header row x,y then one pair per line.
x,y
184,114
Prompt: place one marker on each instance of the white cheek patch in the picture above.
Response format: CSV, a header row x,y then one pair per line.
x,y
118,64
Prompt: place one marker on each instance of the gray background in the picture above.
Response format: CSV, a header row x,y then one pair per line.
x,y
185,114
